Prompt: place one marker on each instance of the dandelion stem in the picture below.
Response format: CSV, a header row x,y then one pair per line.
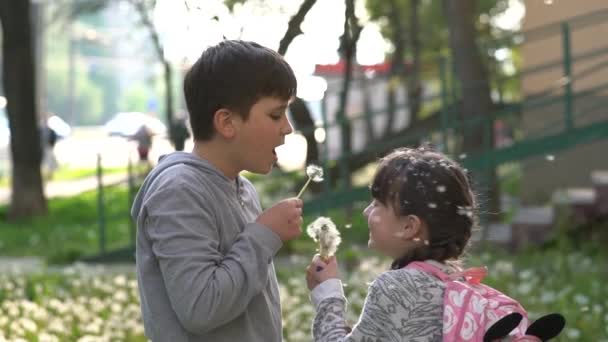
x,y
304,187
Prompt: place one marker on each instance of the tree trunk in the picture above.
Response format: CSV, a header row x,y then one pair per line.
x,y
367,109
299,110
474,81
348,48
27,197
293,27
470,68
145,9
302,118
414,87
396,71
173,135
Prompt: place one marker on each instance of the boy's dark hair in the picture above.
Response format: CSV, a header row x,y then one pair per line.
x,y
234,74
426,183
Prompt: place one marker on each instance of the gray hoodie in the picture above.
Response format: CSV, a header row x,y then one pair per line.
x,y
204,267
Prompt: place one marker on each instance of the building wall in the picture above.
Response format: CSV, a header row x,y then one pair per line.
x,y
572,167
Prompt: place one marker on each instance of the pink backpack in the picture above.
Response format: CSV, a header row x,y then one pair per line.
x,y
476,312
471,308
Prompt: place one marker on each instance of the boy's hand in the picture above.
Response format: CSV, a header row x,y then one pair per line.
x,y
319,271
284,218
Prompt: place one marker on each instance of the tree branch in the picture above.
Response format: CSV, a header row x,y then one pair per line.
x,y
293,28
140,6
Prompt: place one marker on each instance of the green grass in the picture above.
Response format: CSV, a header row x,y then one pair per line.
x,y
67,174
71,228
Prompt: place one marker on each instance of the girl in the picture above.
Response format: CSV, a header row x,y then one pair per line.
x,y
422,210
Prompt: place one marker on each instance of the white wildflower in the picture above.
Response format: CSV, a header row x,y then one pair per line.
x,y
315,174
573,333
324,232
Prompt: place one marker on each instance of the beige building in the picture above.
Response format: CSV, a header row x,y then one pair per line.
x,y
543,44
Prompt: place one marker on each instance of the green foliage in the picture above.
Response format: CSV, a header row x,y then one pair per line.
x,y
433,26
134,99
232,3
88,97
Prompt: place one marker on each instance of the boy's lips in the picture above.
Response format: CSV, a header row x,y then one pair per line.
x,y
274,152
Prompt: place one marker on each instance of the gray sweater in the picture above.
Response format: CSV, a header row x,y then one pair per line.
x,y
401,305
204,268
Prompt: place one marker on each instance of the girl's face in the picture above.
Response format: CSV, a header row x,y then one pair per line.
x,y
389,234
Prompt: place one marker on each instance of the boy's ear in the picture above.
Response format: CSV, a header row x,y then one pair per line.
x,y
224,122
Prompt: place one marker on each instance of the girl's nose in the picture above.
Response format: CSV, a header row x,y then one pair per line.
x,y
366,210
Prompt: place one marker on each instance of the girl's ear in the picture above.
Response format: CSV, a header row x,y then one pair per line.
x,y
413,227
225,123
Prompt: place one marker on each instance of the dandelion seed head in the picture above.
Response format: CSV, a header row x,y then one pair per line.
x,y
324,232
315,172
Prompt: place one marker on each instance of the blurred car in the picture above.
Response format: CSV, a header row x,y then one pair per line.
x,y
61,128
125,124
5,132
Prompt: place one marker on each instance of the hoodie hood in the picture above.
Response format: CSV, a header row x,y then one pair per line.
x,y
167,161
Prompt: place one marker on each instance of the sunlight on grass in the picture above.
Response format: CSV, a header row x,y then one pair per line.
x,y
67,174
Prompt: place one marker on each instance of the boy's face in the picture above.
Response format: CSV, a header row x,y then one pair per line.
x,y
261,133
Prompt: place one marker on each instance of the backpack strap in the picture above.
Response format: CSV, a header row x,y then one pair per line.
x,y
472,275
428,268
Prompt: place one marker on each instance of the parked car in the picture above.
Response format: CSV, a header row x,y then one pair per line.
x,y
5,132
61,128
125,124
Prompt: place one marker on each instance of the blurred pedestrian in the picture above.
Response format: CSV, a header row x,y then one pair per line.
x,y
143,137
49,161
179,133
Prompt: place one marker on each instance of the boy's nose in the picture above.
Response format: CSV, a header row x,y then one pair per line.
x,y
287,128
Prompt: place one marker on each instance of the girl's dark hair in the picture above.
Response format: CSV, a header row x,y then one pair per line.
x,y
426,183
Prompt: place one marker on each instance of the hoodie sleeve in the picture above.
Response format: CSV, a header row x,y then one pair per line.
x,y
206,289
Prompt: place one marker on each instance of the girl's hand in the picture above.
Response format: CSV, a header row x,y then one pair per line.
x,y
319,271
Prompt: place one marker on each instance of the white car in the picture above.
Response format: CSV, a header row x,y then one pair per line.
x,y
125,124
61,128
5,132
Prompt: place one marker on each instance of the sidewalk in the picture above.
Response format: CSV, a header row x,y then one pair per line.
x,y
69,188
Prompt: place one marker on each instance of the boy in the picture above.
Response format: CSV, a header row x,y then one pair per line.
x,y
204,247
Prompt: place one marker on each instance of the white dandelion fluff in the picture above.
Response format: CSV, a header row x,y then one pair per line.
x,y
315,174
324,232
